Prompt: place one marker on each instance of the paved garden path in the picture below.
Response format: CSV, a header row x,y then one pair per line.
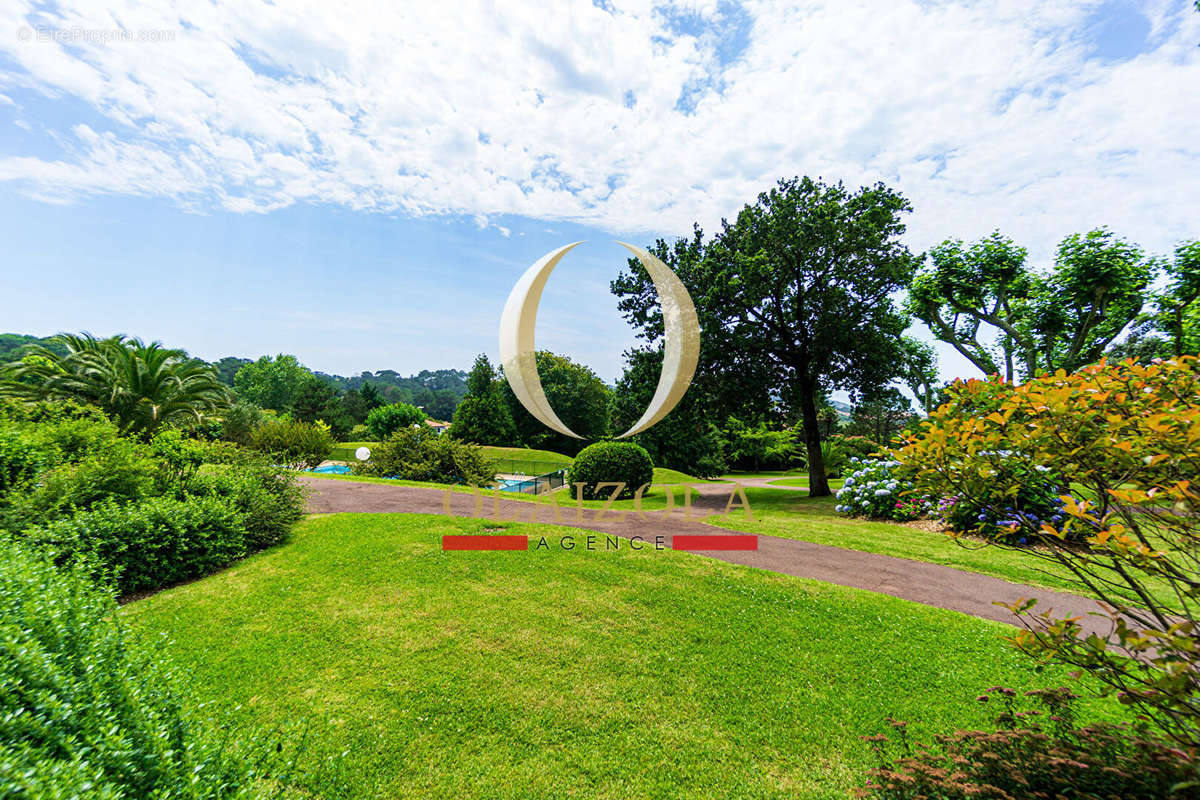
x,y
918,581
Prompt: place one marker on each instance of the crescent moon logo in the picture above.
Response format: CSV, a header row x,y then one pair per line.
x,y
681,340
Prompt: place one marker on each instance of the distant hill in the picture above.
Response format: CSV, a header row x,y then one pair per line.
x,y
11,344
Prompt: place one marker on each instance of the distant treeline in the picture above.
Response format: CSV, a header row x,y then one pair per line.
x,y
437,391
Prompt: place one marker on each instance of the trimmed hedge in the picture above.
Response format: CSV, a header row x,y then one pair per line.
x,y
608,462
152,543
88,711
269,501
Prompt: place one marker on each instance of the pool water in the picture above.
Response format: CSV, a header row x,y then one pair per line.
x,y
333,469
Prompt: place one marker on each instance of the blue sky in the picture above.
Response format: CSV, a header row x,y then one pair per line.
x,y
362,189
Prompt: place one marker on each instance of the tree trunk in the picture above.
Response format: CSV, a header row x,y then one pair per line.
x,y
818,483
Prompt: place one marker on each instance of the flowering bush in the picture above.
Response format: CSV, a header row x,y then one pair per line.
x,y
871,490
1021,495
1126,438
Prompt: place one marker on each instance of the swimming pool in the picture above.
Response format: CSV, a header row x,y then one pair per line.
x,y
333,469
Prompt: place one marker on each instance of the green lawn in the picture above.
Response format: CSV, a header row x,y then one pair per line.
x,y
791,482
421,673
768,473
525,454
664,475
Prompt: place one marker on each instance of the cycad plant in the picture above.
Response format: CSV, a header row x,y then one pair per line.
x,y
141,386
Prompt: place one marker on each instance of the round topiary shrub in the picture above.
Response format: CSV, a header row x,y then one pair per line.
x,y
610,462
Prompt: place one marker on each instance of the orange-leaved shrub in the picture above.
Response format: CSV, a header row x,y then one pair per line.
x,y
1125,440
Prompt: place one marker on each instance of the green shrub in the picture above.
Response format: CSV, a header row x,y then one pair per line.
x,y
296,445
180,457
1025,758
21,457
420,454
1018,494
382,422
87,711
149,544
230,453
835,457
74,438
607,462
856,446
240,422
270,502
120,470
45,411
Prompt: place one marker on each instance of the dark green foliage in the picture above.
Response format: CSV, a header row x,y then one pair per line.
x,y
1171,327
855,446
357,403
420,454
686,439
240,422
87,711
139,386
794,300
754,447
991,512
578,397
228,367
294,444
383,421
437,391
12,345
1033,753
608,462
483,416
316,399
148,544
270,502
880,415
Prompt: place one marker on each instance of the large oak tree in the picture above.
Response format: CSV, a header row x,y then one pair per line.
x,y
794,300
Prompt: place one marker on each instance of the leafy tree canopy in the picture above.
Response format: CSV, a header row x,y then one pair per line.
x,y
794,299
272,382
140,386
483,416
1009,320
578,397
686,439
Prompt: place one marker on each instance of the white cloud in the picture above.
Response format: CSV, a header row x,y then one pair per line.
x,y
984,117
